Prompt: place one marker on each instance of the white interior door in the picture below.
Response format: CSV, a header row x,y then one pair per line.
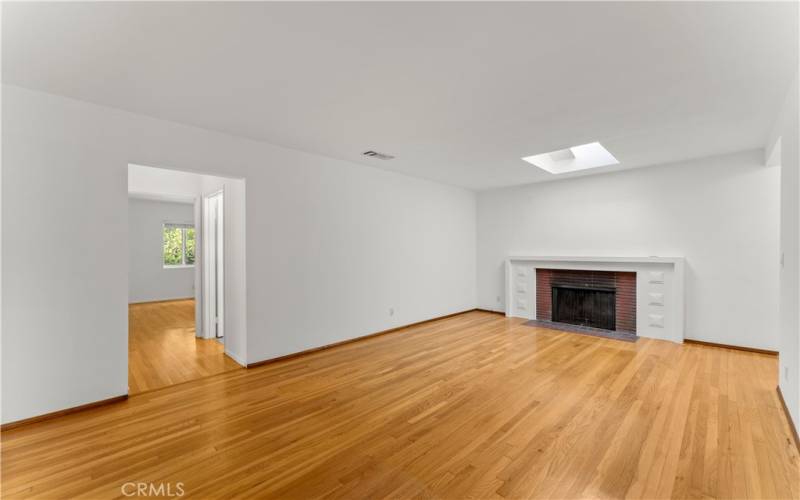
x,y
213,268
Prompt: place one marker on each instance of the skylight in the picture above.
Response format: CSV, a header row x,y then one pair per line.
x,y
585,156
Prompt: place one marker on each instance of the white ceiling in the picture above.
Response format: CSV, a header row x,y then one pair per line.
x,y
458,92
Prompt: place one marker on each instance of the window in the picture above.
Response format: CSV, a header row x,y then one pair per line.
x,y
179,245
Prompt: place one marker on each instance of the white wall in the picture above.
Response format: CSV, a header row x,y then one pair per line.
x,y
331,245
787,130
720,213
148,279
151,180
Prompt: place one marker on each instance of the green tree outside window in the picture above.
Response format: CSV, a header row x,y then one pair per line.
x,y
179,245
189,235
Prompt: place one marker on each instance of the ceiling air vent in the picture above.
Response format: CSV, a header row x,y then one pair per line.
x,y
375,154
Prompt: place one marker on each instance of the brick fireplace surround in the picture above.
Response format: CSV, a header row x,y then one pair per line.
x,y
623,282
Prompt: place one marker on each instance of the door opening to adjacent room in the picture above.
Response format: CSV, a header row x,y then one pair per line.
x,y
176,323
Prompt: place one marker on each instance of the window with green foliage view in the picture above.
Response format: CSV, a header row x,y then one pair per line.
x,y
179,245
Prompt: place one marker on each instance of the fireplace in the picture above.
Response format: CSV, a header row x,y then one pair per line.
x,y
596,299
650,292
594,307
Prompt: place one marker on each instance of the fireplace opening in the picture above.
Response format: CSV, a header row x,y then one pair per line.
x,y
597,300
585,306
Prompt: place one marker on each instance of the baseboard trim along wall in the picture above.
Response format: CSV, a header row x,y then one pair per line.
x,y
501,313
356,339
61,413
179,299
789,419
727,346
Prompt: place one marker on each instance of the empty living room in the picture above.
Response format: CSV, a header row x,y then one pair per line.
x,y
363,250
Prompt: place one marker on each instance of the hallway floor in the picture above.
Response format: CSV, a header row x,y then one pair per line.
x,y
163,349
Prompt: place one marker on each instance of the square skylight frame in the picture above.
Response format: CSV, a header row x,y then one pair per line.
x,y
573,159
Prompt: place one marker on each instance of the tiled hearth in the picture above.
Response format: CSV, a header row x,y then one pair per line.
x,y
585,330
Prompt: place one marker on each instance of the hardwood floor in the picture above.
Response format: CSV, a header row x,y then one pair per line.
x,y
163,349
473,406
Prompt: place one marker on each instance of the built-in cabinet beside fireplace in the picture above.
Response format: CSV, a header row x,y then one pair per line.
x,y
641,296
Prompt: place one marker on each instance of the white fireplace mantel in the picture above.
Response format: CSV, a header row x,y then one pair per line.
x,y
659,288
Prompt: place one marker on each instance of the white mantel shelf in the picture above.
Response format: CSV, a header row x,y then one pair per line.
x,y
659,288
662,260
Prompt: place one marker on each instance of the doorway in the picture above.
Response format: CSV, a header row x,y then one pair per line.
x,y
177,329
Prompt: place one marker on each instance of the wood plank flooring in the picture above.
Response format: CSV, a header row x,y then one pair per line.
x,y
163,349
473,406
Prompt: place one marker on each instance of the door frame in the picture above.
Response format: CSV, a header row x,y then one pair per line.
x,y
213,258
